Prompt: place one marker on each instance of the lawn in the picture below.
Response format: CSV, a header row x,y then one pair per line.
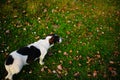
x,y
91,37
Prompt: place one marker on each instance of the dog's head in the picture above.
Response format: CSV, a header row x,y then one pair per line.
x,y
53,38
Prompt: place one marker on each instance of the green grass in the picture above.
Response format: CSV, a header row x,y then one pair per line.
x,y
91,32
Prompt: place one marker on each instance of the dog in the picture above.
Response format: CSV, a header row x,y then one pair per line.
x,y
26,55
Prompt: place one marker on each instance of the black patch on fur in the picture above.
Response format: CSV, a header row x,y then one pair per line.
x,y
32,52
9,60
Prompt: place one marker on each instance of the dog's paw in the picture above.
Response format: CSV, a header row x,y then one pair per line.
x,y
41,63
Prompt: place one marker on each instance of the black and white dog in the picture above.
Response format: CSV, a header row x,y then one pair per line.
x,y
23,56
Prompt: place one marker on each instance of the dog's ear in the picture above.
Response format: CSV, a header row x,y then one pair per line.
x,y
51,41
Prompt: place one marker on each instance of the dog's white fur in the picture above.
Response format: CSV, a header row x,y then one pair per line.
x,y
19,60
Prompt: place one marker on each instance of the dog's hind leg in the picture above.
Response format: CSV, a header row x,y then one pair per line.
x,y
9,76
11,71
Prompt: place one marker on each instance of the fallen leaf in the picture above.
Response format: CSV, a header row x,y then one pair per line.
x,y
110,68
42,69
114,73
94,73
79,64
49,71
89,75
37,37
68,32
54,71
104,75
79,24
30,71
45,67
61,61
111,62
59,51
24,29
55,26
53,63
83,44
103,32
45,10
70,62
59,71
116,53
98,55
50,53
65,53
77,51
23,11
77,74
70,51
59,67
89,60
7,31
15,16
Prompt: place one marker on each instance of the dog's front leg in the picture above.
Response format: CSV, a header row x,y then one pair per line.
x,y
41,59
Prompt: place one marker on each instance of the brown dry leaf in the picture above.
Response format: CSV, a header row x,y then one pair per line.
x,y
83,44
15,16
98,55
89,60
70,51
89,75
45,10
54,71
76,58
42,69
59,72
37,37
49,71
55,26
23,71
24,29
114,73
45,67
79,24
80,56
104,75
59,67
116,53
77,51
70,62
110,68
111,62
65,53
94,73
59,51
76,74
53,63
7,31
50,53
79,64
97,29
23,11
61,61
111,29
30,71
68,32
